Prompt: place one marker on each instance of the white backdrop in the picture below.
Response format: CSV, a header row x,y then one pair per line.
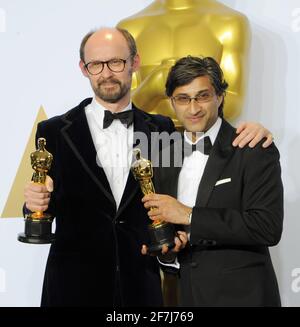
x,y
39,43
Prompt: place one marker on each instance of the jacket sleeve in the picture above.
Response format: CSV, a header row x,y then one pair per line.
x,y
260,219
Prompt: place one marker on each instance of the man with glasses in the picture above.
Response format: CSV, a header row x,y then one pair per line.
x,y
228,200
100,220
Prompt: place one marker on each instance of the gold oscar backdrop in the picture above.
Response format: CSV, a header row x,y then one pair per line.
x,y
15,200
170,29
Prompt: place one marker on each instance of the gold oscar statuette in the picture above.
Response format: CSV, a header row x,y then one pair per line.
x,y
160,232
38,224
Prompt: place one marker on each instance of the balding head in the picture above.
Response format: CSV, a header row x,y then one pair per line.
x,y
108,37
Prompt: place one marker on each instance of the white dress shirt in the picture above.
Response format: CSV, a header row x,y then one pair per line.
x,y
190,175
192,169
113,147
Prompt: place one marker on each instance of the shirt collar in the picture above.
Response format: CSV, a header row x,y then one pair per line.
x,y
98,110
212,133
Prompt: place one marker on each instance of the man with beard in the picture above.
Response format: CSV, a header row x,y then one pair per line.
x,y
100,220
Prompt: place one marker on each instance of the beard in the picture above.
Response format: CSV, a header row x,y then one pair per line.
x,y
112,93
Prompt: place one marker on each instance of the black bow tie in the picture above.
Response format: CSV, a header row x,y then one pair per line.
x,y
126,118
204,146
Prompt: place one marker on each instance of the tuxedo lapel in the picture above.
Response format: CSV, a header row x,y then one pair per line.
x,y
142,124
78,136
221,152
171,185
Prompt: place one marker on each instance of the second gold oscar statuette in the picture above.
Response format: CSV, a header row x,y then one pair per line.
x,y
160,232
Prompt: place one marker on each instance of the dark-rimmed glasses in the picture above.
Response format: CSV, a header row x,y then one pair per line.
x,y
115,65
184,99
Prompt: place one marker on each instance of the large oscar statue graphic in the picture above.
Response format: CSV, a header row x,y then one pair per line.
x,y
160,232
167,30
38,224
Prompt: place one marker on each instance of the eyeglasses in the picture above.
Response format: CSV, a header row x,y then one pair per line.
x,y
183,99
115,65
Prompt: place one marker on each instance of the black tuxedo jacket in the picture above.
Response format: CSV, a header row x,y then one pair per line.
x,y
238,214
96,258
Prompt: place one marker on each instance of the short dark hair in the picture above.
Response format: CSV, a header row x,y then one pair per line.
x,y
83,43
188,68
128,37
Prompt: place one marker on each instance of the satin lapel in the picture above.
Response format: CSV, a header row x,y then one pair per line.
x,y
142,124
221,152
171,183
166,178
78,137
